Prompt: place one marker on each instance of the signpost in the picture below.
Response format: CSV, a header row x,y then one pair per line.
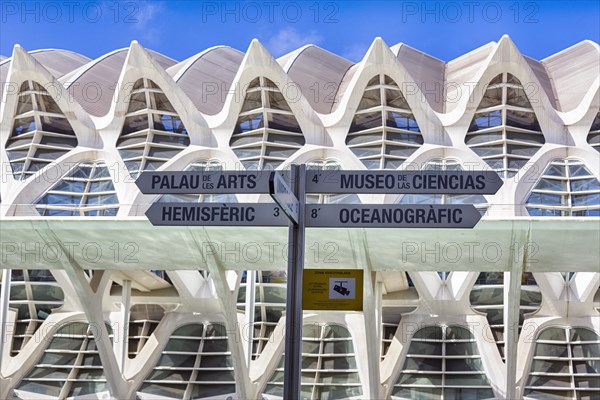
x,y
405,182
216,214
325,289
391,216
205,182
284,196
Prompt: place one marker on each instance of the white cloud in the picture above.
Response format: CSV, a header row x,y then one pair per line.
x,y
146,22
289,39
356,52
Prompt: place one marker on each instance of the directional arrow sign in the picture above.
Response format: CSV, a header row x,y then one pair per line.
x,y
216,214
283,195
408,182
391,216
200,182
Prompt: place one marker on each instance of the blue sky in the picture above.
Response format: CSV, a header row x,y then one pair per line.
x,y
179,29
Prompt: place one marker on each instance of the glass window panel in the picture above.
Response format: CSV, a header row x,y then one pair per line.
x,y
24,105
59,141
57,125
252,101
402,121
23,125
517,97
486,120
525,137
286,139
137,101
215,346
219,361
555,334
46,103
169,390
276,101
367,151
391,163
160,152
248,152
586,350
404,137
483,138
552,184
466,380
586,199
492,97
521,150
583,334
485,151
204,391
464,364
425,348
586,367
585,185
249,123
524,120
283,122
553,381
176,360
399,151
371,98
170,140
551,350
168,123
279,152
183,345
102,199
364,138
468,393
135,123
418,393
366,121
420,379
49,388
101,186
47,293
394,98
48,154
578,170
461,349
162,103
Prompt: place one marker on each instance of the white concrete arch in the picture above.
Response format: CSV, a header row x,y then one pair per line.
x,y
23,68
259,62
381,60
139,64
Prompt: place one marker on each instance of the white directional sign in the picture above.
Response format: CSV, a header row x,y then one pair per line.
x,y
406,182
284,196
203,182
216,214
391,216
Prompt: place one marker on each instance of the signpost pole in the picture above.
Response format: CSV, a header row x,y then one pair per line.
x,y
293,318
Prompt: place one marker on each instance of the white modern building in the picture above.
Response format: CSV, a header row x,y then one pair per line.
x,y
96,303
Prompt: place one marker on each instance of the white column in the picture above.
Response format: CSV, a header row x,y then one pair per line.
x,y
4,298
121,347
250,301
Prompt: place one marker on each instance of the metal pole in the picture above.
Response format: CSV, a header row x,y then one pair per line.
x,y
293,319
4,299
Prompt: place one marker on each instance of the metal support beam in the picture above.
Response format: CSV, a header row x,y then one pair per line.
x,y
293,316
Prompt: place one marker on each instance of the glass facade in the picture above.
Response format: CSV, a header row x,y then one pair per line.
x,y
152,132
487,296
266,132
443,362
86,190
566,188
329,368
505,131
384,131
194,364
565,365
40,133
269,306
34,294
69,367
